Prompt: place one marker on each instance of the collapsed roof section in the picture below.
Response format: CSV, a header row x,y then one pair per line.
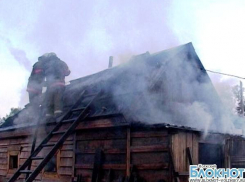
x,y
170,87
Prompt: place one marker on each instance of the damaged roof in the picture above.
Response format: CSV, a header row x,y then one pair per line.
x,y
168,87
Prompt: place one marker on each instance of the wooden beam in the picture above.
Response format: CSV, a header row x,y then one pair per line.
x,y
105,166
128,157
106,151
148,134
74,154
152,148
156,166
176,179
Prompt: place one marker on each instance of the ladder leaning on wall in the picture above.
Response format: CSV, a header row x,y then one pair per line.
x,y
67,119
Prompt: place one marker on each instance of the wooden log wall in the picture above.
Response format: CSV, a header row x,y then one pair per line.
x,y
150,154
123,148
113,144
15,142
19,142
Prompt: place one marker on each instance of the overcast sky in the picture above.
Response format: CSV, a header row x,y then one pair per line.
x,y
84,33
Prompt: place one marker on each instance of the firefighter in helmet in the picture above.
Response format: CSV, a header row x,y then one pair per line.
x,y
55,72
35,82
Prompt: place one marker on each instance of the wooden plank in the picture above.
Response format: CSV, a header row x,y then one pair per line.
x,y
83,146
26,145
173,166
153,175
26,149
55,138
3,172
154,148
174,147
86,173
156,166
66,162
106,151
149,158
195,149
3,155
3,149
89,159
3,161
20,140
105,166
149,141
14,148
183,158
128,157
16,133
227,156
74,154
102,134
4,142
65,154
189,144
24,155
65,171
102,123
147,134
189,157
67,147
3,166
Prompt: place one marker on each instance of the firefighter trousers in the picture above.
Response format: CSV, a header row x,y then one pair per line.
x,y
54,99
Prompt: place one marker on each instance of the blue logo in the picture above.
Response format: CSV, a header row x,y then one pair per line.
x,y
210,173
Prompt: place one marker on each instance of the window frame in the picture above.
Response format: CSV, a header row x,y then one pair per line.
x,y
13,153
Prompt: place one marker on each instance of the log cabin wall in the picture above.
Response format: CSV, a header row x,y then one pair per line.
x,y
18,142
124,148
144,148
149,153
13,144
112,142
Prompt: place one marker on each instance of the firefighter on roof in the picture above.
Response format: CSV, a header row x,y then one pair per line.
x,y
55,72
35,82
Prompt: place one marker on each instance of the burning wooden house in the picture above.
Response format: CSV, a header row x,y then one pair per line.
x,y
140,121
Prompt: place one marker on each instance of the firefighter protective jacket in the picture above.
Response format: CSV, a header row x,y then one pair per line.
x,y
56,71
36,79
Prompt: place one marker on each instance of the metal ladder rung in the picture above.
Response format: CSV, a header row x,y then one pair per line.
x,y
68,120
37,158
48,145
78,109
31,175
25,171
58,132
